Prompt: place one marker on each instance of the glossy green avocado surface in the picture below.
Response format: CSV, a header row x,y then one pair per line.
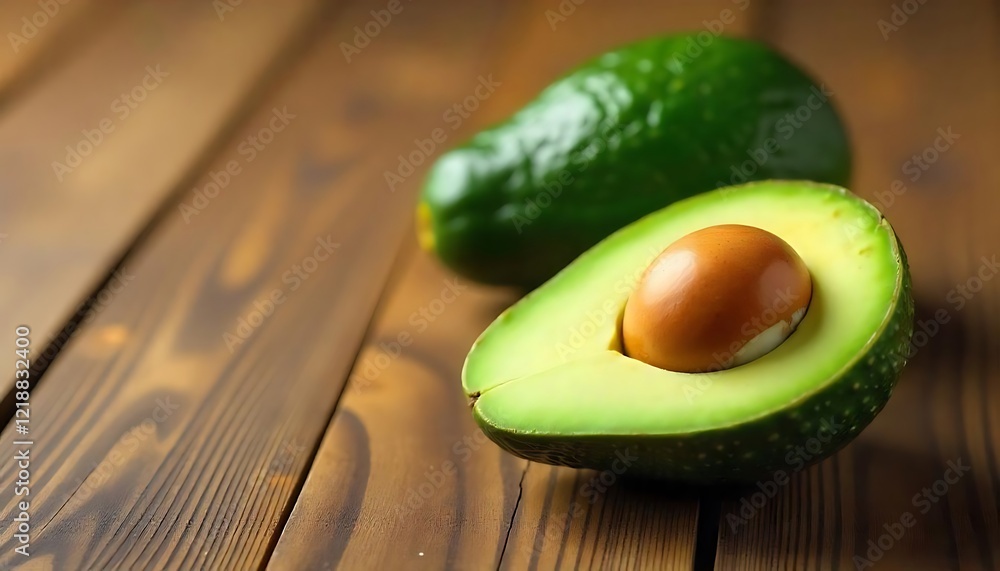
x,y
622,136
548,381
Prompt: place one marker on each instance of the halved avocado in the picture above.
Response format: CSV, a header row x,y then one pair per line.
x,y
549,383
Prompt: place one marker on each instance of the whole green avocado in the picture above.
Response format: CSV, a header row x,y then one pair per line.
x,y
624,135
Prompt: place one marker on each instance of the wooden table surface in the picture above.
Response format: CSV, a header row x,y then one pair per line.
x,y
195,223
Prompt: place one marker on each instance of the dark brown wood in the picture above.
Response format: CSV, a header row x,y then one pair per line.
x,y
938,70
403,433
561,522
192,424
62,231
582,519
166,440
404,479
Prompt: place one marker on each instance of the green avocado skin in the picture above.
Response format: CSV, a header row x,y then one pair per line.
x,y
622,136
768,448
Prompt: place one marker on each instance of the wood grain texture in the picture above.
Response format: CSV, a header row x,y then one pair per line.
x,y
582,519
937,71
404,479
165,449
379,495
39,37
62,231
178,431
561,522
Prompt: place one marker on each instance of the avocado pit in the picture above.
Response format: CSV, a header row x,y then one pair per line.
x,y
716,298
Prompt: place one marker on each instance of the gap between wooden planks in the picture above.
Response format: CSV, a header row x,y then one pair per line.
x,y
191,73
817,514
166,444
933,70
985,484
403,478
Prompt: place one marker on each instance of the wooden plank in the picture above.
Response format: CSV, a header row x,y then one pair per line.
x,y
404,479
38,35
149,97
402,435
582,519
175,433
571,519
936,71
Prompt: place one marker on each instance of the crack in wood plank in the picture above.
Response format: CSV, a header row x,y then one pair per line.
x,y
513,514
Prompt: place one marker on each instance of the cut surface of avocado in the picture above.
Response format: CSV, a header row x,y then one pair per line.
x,y
549,382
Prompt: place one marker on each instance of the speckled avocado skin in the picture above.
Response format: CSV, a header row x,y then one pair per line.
x,y
622,136
783,441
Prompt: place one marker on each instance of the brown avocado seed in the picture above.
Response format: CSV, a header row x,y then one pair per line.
x,y
716,298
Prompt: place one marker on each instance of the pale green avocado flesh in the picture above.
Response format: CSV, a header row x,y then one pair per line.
x,y
548,381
